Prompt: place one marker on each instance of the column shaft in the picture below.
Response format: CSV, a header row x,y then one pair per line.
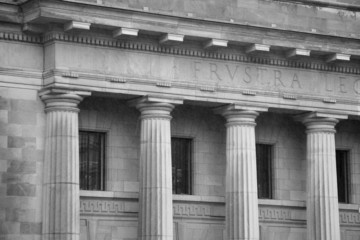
x,y
61,169
241,178
322,199
156,213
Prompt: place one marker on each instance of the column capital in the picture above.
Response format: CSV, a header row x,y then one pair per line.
x,y
320,122
155,106
62,100
240,114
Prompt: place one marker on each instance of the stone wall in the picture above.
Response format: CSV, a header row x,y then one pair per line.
x,y
22,127
22,131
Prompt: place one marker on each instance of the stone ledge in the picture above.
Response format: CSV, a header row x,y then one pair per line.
x,y
194,198
349,206
108,194
282,203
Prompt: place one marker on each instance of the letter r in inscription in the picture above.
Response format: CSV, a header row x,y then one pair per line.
x,y
213,71
278,81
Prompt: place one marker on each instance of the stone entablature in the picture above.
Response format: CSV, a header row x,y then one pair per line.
x,y
222,77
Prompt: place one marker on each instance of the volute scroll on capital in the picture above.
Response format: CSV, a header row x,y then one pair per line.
x,y
56,100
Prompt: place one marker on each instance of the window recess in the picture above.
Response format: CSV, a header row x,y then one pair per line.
x,y
181,151
92,160
264,155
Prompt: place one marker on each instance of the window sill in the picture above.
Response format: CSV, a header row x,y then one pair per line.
x,y
108,194
197,198
349,206
283,203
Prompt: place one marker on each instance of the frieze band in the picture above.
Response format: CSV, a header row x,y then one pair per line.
x,y
51,36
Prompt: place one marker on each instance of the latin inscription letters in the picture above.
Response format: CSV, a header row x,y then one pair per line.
x,y
261,75
213,71
329,85
197,69
275,79
232,74
278,81
295,80
342,84
357,86
247,77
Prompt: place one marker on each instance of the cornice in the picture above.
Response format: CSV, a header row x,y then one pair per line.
x,y
199,53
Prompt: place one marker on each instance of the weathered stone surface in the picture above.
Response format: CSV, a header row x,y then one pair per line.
x,y
21,142
30,228
269,14
25,105
21,117
21,189
24,167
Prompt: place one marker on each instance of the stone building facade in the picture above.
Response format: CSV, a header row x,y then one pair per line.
x,y
262,96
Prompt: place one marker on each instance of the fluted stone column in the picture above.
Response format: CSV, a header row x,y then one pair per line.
x,y
61,212
322,194
242,213
155,200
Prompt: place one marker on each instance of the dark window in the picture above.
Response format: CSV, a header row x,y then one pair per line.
x,y
92,154
342,172
264,170
181,165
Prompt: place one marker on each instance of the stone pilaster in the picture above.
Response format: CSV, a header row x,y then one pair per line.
x,y
241,199
155,211
61,212
322,199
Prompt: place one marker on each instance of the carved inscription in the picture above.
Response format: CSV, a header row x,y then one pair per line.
x,y
191,210
101,207
270,78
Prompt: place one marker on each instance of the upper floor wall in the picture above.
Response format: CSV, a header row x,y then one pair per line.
x,y
326,17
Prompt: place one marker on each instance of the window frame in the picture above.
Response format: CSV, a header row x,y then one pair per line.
x,y
270,169
103,158
347,174
190,187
